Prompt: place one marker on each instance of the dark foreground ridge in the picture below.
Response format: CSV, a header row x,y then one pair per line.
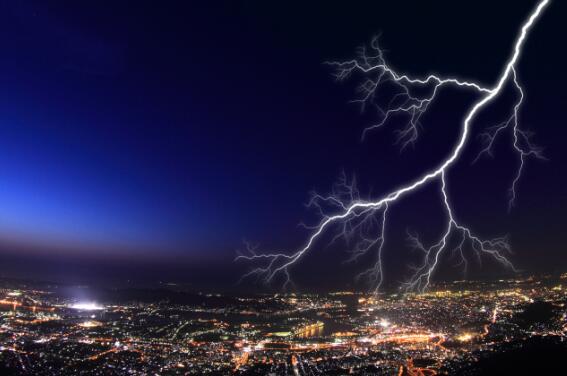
x,y
533,356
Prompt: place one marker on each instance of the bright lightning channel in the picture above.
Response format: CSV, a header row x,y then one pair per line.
x,y
366,220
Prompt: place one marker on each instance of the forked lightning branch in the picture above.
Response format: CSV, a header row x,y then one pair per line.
x,y
366,221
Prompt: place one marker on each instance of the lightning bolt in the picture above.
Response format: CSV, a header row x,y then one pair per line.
x,y
365,220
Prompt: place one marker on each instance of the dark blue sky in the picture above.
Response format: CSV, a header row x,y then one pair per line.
x,y
172,132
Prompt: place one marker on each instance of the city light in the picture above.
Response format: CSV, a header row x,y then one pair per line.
x,y
465,337
90,324
323,333
86,306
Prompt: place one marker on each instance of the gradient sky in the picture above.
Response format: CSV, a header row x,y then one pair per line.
x,y
173,132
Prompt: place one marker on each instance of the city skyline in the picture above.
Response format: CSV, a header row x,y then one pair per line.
x,y
459,328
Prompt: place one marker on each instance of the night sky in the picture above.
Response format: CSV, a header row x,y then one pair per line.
x,y
148,140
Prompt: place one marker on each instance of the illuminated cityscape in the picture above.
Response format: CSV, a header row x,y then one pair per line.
x,y
448,330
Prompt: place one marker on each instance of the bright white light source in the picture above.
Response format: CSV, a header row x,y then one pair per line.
x,y
86,306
